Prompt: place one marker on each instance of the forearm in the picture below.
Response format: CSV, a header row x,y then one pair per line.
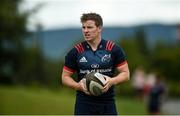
x,y
121,77
68,81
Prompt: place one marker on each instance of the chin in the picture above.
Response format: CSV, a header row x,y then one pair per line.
x,y
88,39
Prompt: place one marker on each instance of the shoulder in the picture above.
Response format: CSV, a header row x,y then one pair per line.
x,y
79,47
114,48
109,45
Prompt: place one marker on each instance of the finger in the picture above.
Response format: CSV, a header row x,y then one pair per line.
x,y
83,83
105,86
105,90
88,93
107,79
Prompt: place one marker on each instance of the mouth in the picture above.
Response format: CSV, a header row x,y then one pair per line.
x,y
87,35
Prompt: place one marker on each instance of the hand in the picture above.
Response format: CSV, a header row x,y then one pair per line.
x,y
108,83
83,87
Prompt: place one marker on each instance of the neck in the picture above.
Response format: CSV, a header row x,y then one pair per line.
x,y
94,44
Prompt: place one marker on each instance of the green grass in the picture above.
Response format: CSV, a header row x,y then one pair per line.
x,y
20,100
130,106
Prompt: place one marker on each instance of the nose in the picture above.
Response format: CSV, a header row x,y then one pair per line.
x,y
85,30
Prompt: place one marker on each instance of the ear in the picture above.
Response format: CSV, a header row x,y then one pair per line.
x,y
100,28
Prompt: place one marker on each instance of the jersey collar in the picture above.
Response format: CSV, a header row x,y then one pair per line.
x,y
100,46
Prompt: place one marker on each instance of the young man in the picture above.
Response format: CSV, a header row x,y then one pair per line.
x,y
95,54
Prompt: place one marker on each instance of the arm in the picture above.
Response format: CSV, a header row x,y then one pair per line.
x,y
123,74
121,77
68,81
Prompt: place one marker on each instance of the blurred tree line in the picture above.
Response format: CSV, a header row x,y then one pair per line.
x,y
22,65
12,32
19,64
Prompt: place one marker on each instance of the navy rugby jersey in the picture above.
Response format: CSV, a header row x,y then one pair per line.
x,y
82,59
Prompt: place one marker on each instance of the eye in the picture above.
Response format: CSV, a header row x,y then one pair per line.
x,y
89,27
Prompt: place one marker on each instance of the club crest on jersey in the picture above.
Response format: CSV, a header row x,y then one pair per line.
x,y
83,59
106,58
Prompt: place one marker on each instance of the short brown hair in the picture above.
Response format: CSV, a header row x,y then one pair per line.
x,y
92,16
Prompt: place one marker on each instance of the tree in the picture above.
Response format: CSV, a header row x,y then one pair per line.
x,y
166,61
134,55
141,41
12,32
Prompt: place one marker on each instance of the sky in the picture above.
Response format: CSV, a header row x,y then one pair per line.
x,y
66,13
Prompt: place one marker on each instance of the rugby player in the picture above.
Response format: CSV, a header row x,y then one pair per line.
x,y
98,55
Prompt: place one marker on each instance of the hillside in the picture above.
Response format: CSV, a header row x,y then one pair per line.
x,y
55,43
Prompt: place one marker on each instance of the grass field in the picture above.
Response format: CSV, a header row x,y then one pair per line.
x,y
20,100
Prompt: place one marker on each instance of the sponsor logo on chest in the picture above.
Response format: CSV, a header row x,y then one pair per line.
x,y
83,59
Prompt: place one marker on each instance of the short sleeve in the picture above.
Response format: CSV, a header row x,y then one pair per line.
x,y
119,56
70,61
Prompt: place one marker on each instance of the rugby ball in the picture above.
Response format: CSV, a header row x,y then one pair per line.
x,y
95,83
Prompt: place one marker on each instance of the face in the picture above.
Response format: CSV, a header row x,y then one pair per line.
x,y
90,31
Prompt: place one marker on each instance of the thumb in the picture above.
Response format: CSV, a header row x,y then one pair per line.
x,y
84,84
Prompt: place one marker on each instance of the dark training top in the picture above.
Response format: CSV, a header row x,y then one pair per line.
x,y
82,59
